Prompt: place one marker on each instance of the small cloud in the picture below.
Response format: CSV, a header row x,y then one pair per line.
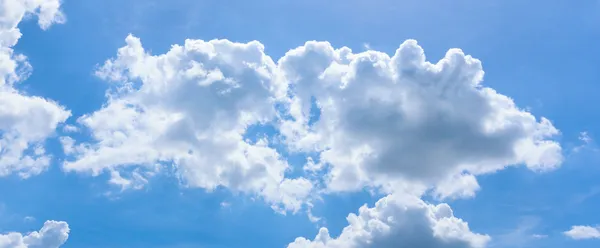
x,y
136,181
586,142
583,232
367,46
29,218
311,217
70,129
311,166
585,137
523,236
539,236
225,204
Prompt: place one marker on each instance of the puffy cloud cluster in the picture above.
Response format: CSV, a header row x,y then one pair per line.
x,y
385,120
583,232
399,221
25,121
191,107
52,235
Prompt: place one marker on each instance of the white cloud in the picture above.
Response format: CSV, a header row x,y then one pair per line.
x,y
385,120
389,122
457,186
25,121
399,221
52,235
190,107
13,11
583,232
539,236
70,129
136,181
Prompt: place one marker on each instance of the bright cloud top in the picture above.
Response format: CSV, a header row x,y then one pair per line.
x,y
25,121
52,235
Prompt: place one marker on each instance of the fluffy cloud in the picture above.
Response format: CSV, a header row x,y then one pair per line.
x,y
52,235
399,221
391,122
583,232
25,121
191,107
385,120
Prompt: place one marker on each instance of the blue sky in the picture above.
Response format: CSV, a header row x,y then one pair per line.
x,y
541,55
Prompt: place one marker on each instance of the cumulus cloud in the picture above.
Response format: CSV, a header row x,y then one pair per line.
x,y
384,120
583,232
191,107
399,221
25,121
52,235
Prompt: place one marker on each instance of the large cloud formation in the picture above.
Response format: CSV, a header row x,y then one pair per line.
x,y
52,235
399,123
25,121
403,124
385,120
399,221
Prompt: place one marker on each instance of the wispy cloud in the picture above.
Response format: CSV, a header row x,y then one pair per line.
x,y
524,235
